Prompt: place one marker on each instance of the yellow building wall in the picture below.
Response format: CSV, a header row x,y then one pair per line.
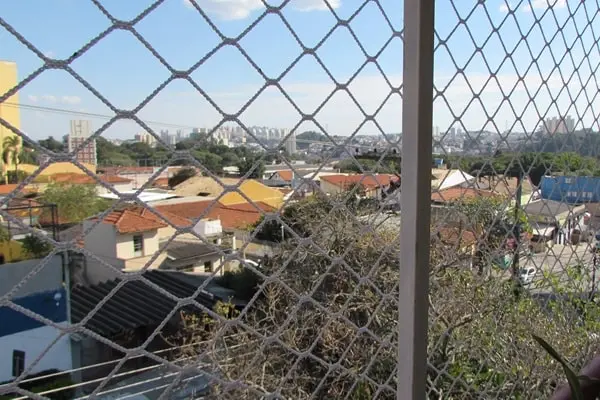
x,y
12,251
255,191
8,109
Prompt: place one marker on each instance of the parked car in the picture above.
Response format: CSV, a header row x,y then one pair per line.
x,y
526,275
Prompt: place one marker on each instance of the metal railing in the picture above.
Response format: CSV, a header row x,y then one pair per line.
x,y
428,275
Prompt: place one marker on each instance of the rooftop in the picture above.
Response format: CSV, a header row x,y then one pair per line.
x,y
551,208
459,193
179,250
251,188
135,304
235,216
140,219
368,181
83,179
147,196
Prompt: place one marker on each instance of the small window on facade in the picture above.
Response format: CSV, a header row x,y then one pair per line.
x,y
207,266
138,245
18,362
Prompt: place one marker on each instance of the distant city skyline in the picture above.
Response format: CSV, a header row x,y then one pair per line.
x,y
124,72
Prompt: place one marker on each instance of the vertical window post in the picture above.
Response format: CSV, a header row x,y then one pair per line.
x,y
417,117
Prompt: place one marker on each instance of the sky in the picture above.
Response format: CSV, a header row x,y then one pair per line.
x,y
490,89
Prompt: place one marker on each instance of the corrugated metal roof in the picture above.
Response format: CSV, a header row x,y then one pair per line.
x,y
135,304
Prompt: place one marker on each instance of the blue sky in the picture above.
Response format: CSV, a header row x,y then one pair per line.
x,y
125,72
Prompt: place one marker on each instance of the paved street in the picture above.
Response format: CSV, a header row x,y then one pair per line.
x,y
554,262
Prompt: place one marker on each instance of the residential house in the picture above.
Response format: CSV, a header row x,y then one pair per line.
x,y
232,217
554,221
446,178
374,185
272,168
442,202
127,240
24,339
140,176
507,187
455,243
249,189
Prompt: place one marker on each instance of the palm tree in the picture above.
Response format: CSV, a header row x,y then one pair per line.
x,y
12,147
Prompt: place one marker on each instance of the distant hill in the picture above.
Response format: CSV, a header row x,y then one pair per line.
x,y
304,139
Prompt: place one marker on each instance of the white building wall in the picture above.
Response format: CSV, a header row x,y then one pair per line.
x,y
34,342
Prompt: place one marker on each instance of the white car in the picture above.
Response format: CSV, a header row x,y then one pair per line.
x,y
526,275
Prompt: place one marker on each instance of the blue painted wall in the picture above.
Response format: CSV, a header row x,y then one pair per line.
x,y
42,303
571,189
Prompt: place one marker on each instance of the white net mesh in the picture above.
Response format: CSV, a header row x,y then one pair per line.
x,y
213,264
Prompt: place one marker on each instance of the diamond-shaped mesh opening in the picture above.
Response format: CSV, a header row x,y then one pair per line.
x,y
513,214
223,218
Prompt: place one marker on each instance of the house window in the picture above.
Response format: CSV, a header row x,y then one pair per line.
x,y
138,245
208,266
18,362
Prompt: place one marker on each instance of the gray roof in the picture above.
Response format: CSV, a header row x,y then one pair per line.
x,y
183,250
551,208
135,304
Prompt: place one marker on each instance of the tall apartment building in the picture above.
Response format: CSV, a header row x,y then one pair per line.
x,y
560,125
80,131
290,143
145,137
9,109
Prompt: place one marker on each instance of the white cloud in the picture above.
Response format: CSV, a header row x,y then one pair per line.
x,y
70,100
504,8
543,4
49,98
52,99
314,5
241,9
50,54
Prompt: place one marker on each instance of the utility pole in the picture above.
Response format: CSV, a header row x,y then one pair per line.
x,y
518,195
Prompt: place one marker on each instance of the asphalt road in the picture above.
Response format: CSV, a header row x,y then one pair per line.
x,y
552,264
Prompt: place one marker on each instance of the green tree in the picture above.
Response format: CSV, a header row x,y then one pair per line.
x,y
4,234
252,164
52,144
35,247
11,150
74,203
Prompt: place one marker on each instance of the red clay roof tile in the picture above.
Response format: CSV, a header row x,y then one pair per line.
x,y
459,193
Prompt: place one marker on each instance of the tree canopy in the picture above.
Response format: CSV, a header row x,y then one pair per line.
x,y
331,310
74,203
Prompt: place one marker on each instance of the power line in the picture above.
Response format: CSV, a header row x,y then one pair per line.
x,y
88,114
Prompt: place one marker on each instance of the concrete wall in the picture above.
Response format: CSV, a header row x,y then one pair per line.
x,y
34,342
48,278
117,250
101,239
124,245
328,188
